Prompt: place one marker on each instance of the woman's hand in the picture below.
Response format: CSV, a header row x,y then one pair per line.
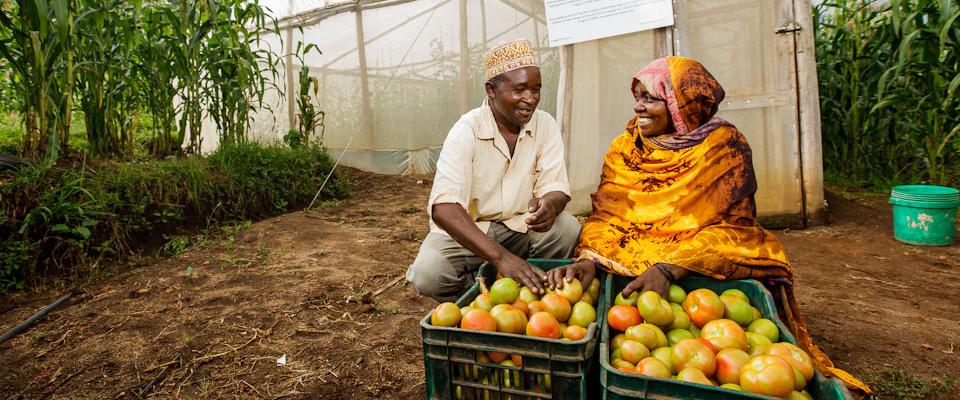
x,y
651,279
584,270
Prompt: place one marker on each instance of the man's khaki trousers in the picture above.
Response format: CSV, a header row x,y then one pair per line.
x,y
445,270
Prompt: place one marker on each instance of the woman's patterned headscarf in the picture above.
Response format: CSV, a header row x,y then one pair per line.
x,y
692,96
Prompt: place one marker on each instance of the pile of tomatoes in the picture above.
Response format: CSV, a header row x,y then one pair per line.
x,y
708,339
510,308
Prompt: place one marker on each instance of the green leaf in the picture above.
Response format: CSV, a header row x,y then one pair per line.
x,y
60,228
82,231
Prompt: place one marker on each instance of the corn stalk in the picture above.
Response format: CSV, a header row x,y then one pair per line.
x,y
889,73
37,42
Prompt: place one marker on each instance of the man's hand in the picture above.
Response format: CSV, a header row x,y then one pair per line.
x,y
584,270
544,212
519,269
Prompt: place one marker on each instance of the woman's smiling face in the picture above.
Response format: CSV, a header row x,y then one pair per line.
x,y
653,116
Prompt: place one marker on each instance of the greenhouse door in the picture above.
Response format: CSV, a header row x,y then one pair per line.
x,y
750,46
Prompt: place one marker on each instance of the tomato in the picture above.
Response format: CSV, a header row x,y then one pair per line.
x,y
736,292
557,305
757,344
795,356
661,337
731,386
767,375
630,300
545,325
445,314
708,344
643,334
633,351
729,363
617,341
665,355
694,375
736,309
692,353
522,306
651,366
680,318
724,334
618,363
496,357
766,328
574,332
676,294
478,320
517,359
621,317
654,309
703,305
677,335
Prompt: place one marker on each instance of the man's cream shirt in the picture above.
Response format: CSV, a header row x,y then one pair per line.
x,y
476,170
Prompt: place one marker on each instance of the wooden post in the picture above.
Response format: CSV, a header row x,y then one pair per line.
x,y
291,91
808,96
365,113
464,60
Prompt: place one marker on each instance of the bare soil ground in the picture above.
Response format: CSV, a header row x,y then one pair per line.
x,y
293,285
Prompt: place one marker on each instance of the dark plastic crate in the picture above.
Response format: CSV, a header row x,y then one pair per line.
x,y
552,368
620,385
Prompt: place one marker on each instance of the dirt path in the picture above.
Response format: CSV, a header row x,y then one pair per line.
x,y
292,285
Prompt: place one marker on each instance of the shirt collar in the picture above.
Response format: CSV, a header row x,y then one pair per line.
x,y
489,124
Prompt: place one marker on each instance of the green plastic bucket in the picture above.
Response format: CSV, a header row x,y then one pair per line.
x,y
924,214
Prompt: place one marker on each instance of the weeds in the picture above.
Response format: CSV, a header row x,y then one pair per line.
x,y
894,383
66,218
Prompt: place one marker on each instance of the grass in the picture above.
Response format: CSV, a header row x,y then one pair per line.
x,y
894,383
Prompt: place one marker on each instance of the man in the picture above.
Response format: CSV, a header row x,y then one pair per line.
x,y
500,188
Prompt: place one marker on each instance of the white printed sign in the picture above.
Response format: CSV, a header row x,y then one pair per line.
x,y
573,21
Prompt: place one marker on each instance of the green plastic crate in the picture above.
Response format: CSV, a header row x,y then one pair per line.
x,y
552,369
619,385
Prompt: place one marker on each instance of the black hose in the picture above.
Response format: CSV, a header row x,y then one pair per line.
x,y
26,324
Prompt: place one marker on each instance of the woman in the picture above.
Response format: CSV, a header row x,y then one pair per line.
x,y
676,197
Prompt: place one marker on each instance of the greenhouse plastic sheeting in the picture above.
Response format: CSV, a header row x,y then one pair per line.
x,y
392,82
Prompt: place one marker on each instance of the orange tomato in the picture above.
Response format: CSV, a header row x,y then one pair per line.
x,y
496,357
574,332
479,320
651,366
724,334
543,324
703,305
795,356
692,353
522,306
767,375
557,305
621,317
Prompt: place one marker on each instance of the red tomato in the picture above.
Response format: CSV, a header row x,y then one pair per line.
x,y
621,317
703,305
725,334
767,375
729,363
692,353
